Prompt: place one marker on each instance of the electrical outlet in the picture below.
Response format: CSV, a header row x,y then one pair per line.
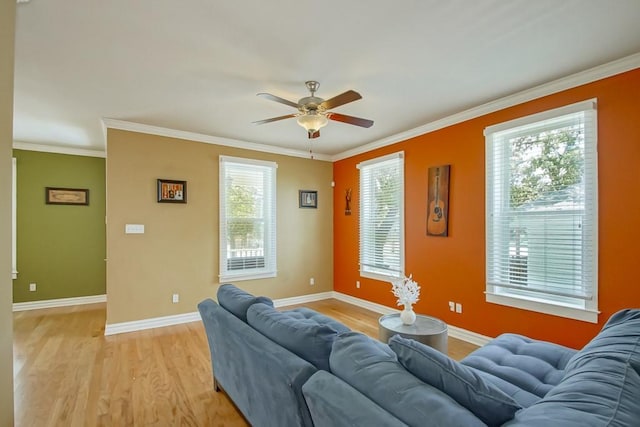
x,y
32,287
357,284
458,307
176,298
312,281
452,306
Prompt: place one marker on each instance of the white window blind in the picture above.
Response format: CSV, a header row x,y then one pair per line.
x,y
382,217
247,219
541,210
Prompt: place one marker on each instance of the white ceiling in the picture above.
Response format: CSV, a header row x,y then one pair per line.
x,y
197,65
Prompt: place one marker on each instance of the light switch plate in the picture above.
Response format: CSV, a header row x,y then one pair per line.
x,y
134,229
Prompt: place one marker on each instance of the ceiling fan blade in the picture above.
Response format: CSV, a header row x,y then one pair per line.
x,y
350,120
314,134
343,98
273,119
278,99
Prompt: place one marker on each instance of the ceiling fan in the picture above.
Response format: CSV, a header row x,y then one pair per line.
x,y
313,111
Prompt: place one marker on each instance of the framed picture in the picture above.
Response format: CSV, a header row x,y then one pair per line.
x,y
308,199
438,201
66,196
170,191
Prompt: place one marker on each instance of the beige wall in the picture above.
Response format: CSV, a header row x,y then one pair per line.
x,y
7,27
179,250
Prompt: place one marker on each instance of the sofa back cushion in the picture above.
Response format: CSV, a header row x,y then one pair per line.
x,y
237,301
619,338
304,332
484,399
307,314
372,368
600,392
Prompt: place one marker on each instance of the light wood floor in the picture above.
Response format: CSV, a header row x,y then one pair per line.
x,y
67,373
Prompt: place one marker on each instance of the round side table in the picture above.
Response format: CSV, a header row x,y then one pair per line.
x,y
427,330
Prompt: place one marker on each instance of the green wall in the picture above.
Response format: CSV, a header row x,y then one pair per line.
x,y
61,248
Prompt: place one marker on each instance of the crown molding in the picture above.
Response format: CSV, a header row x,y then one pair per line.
x,y
584,77
58,149
207,139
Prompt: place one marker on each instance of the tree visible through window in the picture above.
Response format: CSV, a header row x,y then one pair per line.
x,y
545,163
247,218
541,210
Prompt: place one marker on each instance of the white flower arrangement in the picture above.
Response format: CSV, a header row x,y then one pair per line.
x,y
406,290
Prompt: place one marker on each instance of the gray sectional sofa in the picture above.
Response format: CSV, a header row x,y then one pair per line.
x,y
301,368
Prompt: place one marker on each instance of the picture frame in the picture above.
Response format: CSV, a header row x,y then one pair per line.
x,y
172,191
308,199
438,201
66,196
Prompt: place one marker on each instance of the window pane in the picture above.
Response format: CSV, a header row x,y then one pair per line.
x,y
381,217
541,193
247,218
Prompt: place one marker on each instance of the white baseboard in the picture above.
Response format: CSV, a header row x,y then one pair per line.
x,y
454,331
378,308
468,336
154,322
159,322
283,302
60,302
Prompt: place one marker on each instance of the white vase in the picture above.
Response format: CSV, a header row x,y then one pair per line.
x,y
408,316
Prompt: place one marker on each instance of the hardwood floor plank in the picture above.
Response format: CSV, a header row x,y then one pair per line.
x,y
67,373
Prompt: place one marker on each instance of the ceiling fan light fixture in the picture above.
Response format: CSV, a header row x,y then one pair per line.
x,y
312,122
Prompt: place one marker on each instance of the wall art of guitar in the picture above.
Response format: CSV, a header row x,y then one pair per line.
x,y
437,215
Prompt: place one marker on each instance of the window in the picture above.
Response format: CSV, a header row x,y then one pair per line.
x,y
247,219
541,219
382,217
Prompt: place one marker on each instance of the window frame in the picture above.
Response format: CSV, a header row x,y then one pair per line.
x,y
270,233
570,308
379,273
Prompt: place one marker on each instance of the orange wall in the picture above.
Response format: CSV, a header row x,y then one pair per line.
x,y
453,268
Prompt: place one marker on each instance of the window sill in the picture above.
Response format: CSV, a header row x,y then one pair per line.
x,y
247,276
546,308
377,276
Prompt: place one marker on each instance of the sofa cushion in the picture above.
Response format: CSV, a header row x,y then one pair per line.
x,y
237,301
522,397
462,383
600,392
619,338
372,368
333,402
308,334
531,365
304,313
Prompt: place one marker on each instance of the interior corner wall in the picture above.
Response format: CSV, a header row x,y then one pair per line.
x,y
7,37
179,250
60,248
453,268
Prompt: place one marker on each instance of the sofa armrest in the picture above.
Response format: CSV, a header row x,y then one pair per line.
x,y
334,403
263,379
